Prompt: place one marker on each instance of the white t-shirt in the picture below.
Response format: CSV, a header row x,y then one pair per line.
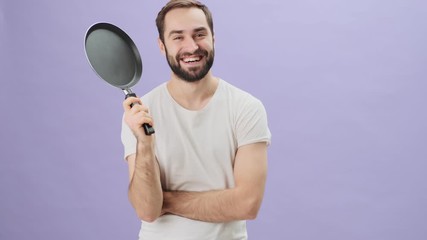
x,y
196,151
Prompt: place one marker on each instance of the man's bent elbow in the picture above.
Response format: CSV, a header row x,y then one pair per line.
x,y
252,208
147,213
147,217
252,214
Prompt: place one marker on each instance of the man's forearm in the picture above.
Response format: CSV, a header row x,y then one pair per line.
x,y
212,206
145,191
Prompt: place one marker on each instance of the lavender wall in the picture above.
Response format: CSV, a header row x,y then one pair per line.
x,y
344,84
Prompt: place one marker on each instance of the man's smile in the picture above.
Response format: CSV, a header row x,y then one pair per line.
x,y
191,60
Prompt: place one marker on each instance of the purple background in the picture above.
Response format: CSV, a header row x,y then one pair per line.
x,y
344,84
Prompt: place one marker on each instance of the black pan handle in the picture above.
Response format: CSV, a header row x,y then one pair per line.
x,y
148,129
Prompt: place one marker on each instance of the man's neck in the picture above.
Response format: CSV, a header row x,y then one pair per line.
x,y
193,95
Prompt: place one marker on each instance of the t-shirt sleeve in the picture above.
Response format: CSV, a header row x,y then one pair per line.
x,y
128,140
252,125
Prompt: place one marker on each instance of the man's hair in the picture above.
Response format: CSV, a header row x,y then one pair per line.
x,y
174,4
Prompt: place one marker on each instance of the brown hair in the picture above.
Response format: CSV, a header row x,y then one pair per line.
x,y
174,4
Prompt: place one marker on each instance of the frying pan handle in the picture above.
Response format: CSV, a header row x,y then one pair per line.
x,y
148,129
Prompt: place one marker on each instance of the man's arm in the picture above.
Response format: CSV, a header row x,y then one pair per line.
x,y
239,203
145,190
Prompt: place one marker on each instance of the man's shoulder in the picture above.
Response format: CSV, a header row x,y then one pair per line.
x,y
238,94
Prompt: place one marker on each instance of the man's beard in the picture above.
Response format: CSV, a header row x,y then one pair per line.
x,y
194,74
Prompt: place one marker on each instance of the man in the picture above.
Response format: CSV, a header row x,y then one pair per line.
x,y
203,172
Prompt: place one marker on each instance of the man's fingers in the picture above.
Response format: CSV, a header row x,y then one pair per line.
x,y
127,103
137,108
141,118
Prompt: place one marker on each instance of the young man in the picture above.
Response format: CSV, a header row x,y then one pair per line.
x,y
203,172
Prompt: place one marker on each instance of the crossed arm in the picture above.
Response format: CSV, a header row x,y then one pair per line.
x,y
238,203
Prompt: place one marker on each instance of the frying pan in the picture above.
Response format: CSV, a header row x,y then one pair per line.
x,y
115,58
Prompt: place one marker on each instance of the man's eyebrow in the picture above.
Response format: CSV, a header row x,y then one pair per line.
x,y
175,32
200,29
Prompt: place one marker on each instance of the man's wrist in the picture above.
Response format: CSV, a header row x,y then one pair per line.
x,y
166,202
144,146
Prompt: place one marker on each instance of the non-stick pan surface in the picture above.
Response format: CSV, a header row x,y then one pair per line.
x,y
113,55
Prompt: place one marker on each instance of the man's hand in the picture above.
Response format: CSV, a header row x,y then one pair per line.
x,y
135,115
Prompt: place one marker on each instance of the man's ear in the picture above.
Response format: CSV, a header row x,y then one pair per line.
x,y
161,46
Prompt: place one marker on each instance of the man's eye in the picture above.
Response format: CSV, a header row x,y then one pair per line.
x,y
200,35
177,38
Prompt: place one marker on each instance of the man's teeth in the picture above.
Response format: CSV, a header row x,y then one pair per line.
x,y
194,59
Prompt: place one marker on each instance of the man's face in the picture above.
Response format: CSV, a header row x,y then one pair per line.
x,y
188,44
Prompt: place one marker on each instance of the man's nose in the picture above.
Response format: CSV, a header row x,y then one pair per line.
x,y
190,45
